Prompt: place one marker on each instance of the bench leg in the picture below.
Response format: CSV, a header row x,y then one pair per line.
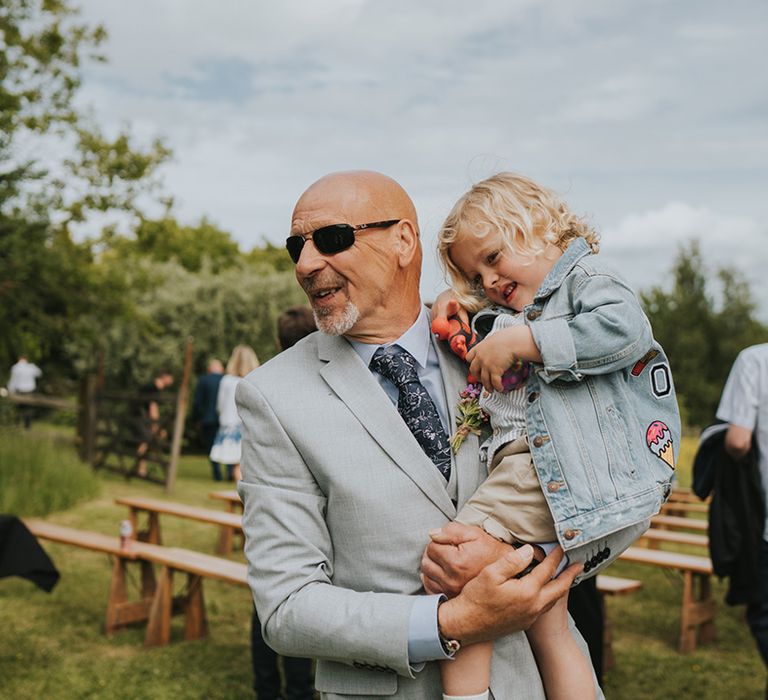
x,y
225,540
698,612
152,533
120,611
196,623
117,595
707,603
159,625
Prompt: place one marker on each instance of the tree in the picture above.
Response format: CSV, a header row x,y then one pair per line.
x,y
701,335
166,239
50,288
219,309
43,48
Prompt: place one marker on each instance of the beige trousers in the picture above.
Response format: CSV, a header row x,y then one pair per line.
x,y
509,504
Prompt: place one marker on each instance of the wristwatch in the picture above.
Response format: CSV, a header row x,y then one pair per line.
x,y
450,646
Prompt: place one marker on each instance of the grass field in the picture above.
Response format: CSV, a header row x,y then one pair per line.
x,y
52,646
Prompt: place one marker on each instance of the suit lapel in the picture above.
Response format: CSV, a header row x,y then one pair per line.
x,y
354,384
466,461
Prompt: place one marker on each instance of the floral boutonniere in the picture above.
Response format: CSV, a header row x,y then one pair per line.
x,y
471,417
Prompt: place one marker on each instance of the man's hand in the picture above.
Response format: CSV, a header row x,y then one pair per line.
x,y
456,554
495,603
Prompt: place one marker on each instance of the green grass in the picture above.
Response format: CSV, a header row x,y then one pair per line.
x,y
52,645
40,473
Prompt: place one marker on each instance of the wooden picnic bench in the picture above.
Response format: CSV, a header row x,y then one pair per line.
x,y
230,497
156,604
697,615
229,523
610,586
676,522
684,508
682,494
653,535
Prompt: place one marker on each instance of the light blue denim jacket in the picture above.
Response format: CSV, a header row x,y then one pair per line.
x,y
602,418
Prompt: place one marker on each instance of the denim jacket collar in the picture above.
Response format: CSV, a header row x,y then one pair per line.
x,y
575,251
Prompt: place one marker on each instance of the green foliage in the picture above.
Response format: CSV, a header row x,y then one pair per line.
x,y
37,477
43,48
273,256
702,336
42,51
51,291
219,310
166,239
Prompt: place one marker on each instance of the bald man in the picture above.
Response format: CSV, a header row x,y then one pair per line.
x,y
343,479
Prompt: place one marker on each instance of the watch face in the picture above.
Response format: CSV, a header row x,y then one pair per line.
x,y
451,646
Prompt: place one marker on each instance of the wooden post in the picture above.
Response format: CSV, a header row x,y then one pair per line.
x,y
181,414
90,420
82,418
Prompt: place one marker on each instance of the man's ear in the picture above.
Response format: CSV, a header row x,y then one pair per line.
x,y
407,242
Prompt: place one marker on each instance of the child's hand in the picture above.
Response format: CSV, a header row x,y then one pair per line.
x,y
446,305
490,358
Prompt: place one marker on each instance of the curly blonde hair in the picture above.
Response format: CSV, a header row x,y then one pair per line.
x,y
529,216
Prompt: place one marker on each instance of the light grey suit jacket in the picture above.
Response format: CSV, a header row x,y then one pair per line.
x,y
339,498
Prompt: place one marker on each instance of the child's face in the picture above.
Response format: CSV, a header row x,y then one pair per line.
x,y
509,279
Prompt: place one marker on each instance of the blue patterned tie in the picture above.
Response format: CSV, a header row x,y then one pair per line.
x,y
414,404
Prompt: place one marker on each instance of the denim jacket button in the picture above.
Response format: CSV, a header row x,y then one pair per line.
x,y
533,396
538,441
570,534
553,486
533,314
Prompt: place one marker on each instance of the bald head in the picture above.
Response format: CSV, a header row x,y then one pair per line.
x,y
362,193
371,288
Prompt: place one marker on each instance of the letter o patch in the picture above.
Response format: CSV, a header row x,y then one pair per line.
x,y
661,381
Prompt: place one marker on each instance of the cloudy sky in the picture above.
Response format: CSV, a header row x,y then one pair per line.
x,y
649,117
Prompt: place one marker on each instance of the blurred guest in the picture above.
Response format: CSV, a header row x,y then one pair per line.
x,y
293,324
744,406
204,414
149,426
23,380
226,444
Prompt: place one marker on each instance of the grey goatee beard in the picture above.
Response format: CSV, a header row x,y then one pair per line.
x,y
333,323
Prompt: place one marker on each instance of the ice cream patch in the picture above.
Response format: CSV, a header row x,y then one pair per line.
x,y
659,441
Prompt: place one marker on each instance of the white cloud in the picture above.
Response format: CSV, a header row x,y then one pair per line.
x,y
623,107
644,246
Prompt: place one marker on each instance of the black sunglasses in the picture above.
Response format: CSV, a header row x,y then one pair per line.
x,y
332,239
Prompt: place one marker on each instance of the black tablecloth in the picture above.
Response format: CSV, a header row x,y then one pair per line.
x,y
22,555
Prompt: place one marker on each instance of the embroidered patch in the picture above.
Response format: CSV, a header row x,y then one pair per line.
x,y
659,441
643,361
661,380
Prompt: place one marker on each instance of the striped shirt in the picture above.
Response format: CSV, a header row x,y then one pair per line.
x,y
507,411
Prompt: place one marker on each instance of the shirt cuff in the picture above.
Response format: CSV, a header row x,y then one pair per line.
x,y
423,638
